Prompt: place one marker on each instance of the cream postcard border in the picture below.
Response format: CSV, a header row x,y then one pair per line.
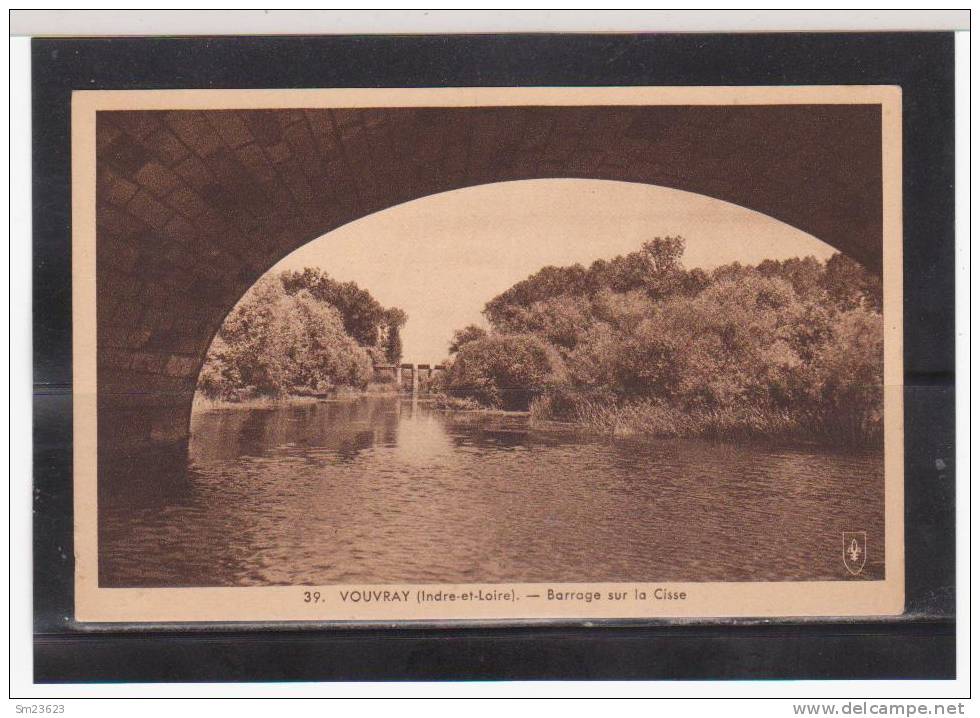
x,y
704,600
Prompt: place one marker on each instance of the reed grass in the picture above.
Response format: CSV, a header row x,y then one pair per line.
x,y
656,418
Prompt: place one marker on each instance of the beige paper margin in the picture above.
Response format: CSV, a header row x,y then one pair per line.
x,y
704,600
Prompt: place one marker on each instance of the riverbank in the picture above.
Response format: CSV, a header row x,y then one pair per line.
x,y
632,421
202,403
651,418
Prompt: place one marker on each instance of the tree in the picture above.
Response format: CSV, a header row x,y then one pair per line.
x,y
394,320
655,268
466,335
393,344
849,285
363,316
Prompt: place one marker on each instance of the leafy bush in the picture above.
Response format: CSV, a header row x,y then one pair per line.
x,y
363,317
503,370
465,335
274,343
785,349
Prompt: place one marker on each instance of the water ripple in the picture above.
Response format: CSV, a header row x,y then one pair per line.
x,y
377,491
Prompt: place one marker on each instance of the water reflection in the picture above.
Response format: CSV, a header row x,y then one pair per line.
x,y
380,490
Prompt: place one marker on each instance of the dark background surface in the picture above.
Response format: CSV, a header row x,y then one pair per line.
x,y
919,644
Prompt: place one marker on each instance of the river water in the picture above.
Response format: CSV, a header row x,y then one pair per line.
x,y
381,490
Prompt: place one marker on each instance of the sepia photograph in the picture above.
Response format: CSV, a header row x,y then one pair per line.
x,y
508,353
490,353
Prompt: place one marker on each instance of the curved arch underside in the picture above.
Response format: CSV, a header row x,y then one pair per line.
x,y
192,207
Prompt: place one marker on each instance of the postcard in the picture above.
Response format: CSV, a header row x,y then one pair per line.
x,y
487,354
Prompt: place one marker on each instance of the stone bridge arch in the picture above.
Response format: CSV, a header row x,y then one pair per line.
x,y
194,206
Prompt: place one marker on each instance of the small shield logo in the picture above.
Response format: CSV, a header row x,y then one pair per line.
x,y
855,546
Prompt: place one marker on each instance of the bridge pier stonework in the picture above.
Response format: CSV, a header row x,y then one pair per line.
x,y
194,206
407,377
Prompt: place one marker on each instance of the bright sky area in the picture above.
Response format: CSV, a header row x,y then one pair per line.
x,y
442,257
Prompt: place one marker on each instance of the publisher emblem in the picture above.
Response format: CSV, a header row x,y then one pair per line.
x,y
855,546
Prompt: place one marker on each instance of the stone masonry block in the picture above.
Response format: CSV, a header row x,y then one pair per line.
x,y
255,160
150,362
278,153
195,172
123,256
295,178
148,209
115,189
290,117
157,178
265,126
105,134
195,131
165,145
138,124
344,118
125,155
180,230
231,126
186,201
305,149
178,365
320,122
114,358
